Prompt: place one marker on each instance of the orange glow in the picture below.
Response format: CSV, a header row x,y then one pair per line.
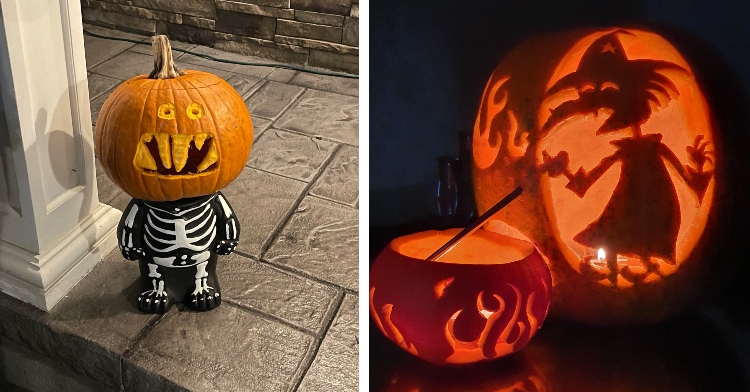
x,y
492,106
467,352
482,247
392,330
622,152
459,312
533,322
374,314
680,122
441,286
399,339
515,376
502,228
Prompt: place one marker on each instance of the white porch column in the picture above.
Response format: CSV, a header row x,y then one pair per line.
x,y
53,230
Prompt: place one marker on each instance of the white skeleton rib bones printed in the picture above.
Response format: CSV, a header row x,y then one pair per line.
x,y
176,236
179,238
167,232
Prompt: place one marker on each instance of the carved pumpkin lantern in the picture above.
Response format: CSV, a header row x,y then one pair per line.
x,y
171,140
482,300
611,136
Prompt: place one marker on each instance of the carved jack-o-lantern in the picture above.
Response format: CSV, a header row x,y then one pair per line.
x,y
611,137
171,140
482,300
170,137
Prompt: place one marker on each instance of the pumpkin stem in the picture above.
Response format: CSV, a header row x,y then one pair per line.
x,y
164,67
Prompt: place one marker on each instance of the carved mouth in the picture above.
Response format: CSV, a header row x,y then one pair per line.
x,y
168,155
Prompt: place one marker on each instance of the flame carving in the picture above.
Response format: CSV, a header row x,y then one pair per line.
x,y
458,313
386,322
533,322
476,345
488,142
546,296
485,152
409,347
516,151
441,286
374,313
537,382
474,350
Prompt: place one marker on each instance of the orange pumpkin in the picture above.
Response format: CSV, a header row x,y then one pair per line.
x,y
612,139
173,135
482,300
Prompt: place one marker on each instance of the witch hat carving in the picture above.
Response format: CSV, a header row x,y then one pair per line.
x,y
607,79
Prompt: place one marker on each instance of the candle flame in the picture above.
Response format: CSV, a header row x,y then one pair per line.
x,y
601,255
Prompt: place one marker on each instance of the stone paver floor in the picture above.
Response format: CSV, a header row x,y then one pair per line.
x,y
289,316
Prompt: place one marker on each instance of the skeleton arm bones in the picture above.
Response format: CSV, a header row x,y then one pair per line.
x,y
130,231
227,225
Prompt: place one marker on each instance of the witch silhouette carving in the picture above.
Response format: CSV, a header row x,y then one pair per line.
x,y
642,218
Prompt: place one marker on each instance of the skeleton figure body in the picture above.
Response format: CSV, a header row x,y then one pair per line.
x,y
176,244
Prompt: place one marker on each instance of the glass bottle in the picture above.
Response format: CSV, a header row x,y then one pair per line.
x,y
447,192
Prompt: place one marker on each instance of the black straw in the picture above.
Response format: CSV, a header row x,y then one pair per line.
x,y
475,225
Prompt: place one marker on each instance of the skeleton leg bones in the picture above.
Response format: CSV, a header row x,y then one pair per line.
x,y
155,300
204,297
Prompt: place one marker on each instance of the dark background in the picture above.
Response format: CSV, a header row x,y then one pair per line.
x,y
430,60
429,63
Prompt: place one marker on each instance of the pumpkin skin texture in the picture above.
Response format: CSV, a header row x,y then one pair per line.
x,y
612,137
194,105
482,300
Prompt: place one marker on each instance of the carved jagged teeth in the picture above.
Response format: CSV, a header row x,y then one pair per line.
x,y
199,139
143,158
162,140
180,146
177,153
211,157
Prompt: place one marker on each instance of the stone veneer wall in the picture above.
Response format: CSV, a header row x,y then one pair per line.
x,y
318,33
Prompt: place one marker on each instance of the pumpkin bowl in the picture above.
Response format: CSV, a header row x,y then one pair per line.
x,y
482,300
